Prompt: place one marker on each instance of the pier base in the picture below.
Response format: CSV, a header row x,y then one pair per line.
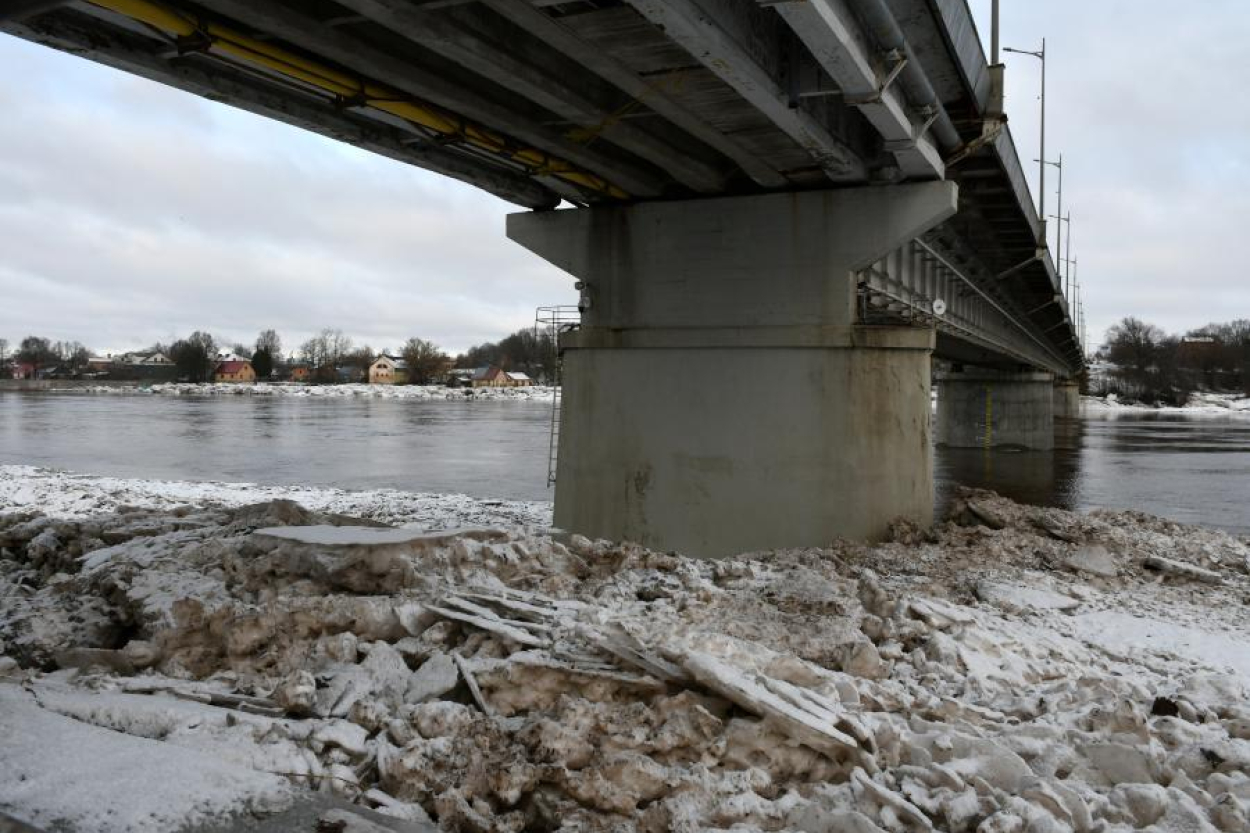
x,y
992,409
1067,399
719,397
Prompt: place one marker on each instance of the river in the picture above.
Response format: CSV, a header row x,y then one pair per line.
x,y
1194,469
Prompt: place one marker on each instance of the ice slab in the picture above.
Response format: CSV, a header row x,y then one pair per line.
x,y
57,772
324,535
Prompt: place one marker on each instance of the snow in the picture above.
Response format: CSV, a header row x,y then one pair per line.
x,y
1200,404
965,678
59,772
528,393
1017,598
1126,634
64,494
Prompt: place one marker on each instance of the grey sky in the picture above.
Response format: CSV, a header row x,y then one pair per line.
x,y
130,212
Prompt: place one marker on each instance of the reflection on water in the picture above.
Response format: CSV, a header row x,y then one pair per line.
x,y
1194,469
486,449
1045,478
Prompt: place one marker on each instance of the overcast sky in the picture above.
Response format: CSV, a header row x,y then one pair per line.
x,y
131,212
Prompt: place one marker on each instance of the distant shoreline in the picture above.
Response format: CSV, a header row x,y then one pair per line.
x,y
295,390
1213,404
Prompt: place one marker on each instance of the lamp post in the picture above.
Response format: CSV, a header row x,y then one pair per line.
x,y
1063,261
1041,167
1058,215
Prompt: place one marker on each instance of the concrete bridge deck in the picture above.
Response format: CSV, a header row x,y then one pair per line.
x,y
826,186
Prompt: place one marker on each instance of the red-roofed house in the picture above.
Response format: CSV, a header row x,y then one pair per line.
x,y
234,371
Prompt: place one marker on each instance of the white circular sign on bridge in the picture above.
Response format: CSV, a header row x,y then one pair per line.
x,y
939,306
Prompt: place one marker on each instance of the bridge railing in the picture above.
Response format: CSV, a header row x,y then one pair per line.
x,y
918,284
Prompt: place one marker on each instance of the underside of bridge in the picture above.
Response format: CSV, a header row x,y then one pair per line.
x,y
813,195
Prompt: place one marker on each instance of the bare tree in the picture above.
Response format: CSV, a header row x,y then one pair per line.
x,y
425,361
324,352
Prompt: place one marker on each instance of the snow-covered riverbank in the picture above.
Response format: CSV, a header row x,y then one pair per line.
x,y
70,495
418,392
1200,404
1014,669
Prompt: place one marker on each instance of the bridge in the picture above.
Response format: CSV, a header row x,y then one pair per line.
x,y
778,212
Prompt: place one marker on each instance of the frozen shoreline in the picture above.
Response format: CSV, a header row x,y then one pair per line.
x,y
71,495
1016,668
1200,404
357,390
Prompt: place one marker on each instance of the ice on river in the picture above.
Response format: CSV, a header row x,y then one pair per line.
x,y
532,393
972,677
62,494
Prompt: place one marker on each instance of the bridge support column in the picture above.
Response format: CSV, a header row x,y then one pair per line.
x,y
1067,399
720,397
993,409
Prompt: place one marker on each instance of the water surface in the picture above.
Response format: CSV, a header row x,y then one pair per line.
x,y
1194,469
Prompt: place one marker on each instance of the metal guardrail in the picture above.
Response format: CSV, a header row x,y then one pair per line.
x,y
918,284
554,321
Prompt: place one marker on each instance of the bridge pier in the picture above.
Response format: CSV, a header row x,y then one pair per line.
x,y
994,409
720,396
1067,399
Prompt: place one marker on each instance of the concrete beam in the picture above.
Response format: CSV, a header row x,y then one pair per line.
x,y
705,38
842,231
23,9
426,85
563,39
664,439
510,68
831,33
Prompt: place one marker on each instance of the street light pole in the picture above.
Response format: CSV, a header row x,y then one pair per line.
x,y
1041,167
994,34
1058,215
1062,262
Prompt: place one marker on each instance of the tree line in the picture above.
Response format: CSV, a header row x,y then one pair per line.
x,y
42,354
330,356
1151,365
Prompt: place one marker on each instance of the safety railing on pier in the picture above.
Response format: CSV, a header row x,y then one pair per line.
x,y
553,321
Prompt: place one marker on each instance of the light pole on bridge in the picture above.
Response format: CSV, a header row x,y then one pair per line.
x,y
1058,215
1041,167
1062,262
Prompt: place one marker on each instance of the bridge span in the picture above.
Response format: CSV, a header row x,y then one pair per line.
x,y
809,198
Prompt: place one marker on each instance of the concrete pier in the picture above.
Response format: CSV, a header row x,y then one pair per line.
x,y
1067,399
720,396
992,409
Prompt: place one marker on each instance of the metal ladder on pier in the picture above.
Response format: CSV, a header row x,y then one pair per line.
x,y
551,322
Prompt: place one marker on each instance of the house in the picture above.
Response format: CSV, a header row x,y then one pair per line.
x,y
156,359
292,371
147,366
23,370
388,370
234,371
497,377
